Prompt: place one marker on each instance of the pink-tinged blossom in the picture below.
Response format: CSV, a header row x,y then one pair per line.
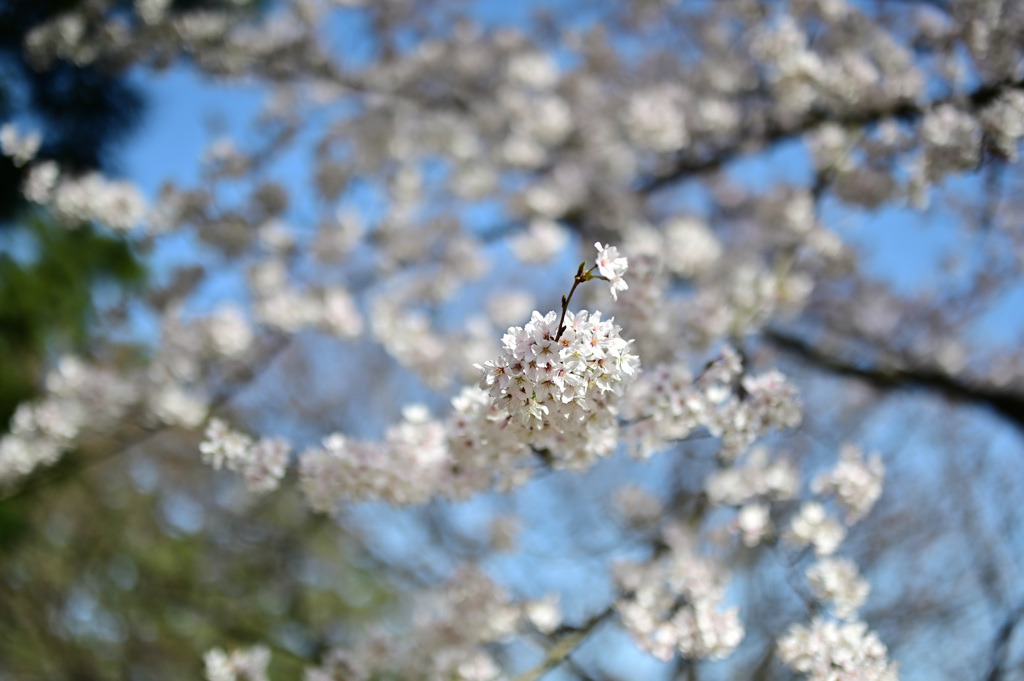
x,y
563,391
612,266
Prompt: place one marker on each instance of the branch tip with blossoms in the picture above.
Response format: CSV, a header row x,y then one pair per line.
x,y
610,265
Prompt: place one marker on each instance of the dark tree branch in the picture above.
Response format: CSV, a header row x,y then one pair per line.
x,y
773,132
1001,642
1005,402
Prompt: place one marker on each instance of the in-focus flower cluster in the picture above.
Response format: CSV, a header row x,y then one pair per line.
x,y
564,388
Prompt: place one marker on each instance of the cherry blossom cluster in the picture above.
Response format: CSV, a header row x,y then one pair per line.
x,y
841,650
856,483
813,526
563,383
752,485
452,634
21,148
247,664
673,603
91,197
78,396
558,399
836,651
667,404
261,464
410,466
837,581
283,307
756,477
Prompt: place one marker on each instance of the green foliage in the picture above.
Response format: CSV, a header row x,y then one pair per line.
x,y
46,300
103,585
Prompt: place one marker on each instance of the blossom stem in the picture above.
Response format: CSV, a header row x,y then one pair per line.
x,y
581,276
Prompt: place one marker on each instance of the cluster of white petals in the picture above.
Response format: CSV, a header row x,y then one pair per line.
x,y
545,614
411,465
448,637
837,581
655,118
836,651
21,148
754,477
563,388
332,310
78,396
753,523
1004,122
540,242
855,482
673,603
247,664
752,484
667,404
612,266
91,197
813,526
691,248
558,400
230,333
261,464
952,140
